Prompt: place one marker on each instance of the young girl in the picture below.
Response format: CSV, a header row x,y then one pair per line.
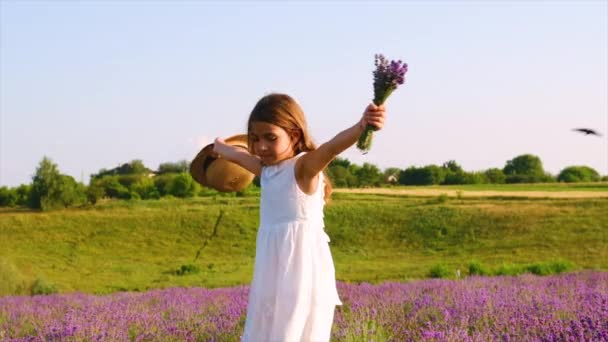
x,y
293,293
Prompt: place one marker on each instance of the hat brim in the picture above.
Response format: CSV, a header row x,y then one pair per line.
x,y
218,173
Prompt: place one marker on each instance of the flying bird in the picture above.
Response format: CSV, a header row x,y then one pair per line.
x,y
587,131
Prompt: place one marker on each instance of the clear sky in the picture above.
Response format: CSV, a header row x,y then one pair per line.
x,y
95,84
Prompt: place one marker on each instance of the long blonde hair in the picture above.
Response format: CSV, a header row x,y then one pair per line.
x,y
283,111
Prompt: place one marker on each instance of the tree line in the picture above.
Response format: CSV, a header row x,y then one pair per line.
x,y
50,189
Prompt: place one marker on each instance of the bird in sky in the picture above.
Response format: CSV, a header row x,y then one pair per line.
x,y
587,131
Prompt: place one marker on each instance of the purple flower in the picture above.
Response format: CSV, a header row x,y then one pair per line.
x,y
387,77
525,308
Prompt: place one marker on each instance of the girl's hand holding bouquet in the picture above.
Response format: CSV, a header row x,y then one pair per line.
x,y
373,116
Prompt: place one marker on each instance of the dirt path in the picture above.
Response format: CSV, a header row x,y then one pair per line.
x,y
488,193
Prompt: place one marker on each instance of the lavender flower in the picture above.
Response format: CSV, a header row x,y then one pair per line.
x,y
566,307
387,77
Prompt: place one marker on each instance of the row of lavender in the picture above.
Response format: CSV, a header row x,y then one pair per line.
x,y
568,307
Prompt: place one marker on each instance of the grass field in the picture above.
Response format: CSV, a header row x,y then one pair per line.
x,y
552,187
139,245
545,190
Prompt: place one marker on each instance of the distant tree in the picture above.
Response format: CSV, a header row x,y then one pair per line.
x,y
102,172
179,167
495,176
338,175
526,168
340,162
113,188
95,192
369,175
182,185
8,197
145,189
454,174
438,173
127,180
578,174
161,182
452,166
428,175
45,193
135,166
474,178
52,190
23,193
339,172
72,192
415,176
548,178
352,180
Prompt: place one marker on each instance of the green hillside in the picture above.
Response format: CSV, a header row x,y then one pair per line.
x,y
138,245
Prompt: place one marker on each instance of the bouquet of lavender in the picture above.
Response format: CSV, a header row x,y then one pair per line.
x,y
387,77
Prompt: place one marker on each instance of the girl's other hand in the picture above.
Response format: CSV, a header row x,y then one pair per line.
x,y
374,116
219,146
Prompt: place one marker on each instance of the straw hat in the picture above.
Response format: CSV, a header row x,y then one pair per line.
x,y
219,173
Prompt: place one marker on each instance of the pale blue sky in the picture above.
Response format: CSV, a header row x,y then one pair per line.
x,y
99,83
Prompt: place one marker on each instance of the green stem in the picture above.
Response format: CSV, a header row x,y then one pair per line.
x,y
365,140
381,98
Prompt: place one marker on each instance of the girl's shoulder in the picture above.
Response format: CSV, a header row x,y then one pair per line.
x,y
309,185
281,167
294,159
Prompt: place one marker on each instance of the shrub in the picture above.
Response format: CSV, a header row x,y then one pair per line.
x,y
187,269
509,270
128,180
145,189
95,192
549,268
439,271
476,268
182,185
578,174
526,168
561,266
113,188
42,287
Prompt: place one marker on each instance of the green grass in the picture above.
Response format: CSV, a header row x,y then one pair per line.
x,y
139,245
595,186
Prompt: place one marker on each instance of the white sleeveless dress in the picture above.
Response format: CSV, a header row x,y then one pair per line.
x,y
293,293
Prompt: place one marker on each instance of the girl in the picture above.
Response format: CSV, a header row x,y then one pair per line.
x,y
293,293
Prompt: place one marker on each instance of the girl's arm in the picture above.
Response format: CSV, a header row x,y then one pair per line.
x,y
313,162
238,155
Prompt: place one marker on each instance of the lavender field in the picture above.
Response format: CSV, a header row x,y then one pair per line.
x,y
567,307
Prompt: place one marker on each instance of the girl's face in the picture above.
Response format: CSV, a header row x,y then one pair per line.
x,y
271,142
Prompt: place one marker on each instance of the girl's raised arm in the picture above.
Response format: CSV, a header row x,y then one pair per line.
x,y
313,162
238,155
